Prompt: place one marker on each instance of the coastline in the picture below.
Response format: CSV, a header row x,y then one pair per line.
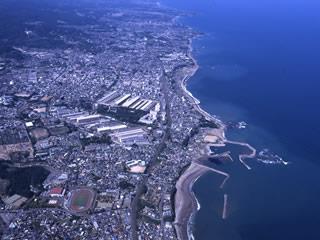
x,y
186,203
194,101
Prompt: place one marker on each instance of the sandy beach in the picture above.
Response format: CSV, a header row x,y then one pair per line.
x,y
185,202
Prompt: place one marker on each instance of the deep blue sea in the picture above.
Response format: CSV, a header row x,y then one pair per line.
x,y
259,63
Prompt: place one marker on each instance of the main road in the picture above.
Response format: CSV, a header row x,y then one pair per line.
x,y
140,189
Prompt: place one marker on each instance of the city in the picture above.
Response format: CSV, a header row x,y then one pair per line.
x,y
105,115
99,136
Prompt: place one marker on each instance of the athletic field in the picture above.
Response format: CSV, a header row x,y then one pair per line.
x,y
81,200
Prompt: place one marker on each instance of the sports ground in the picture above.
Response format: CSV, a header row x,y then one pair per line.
x,y
81,200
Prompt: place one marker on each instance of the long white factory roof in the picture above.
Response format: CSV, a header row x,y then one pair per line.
x,y
130,101
75,115
141,104
88,117
127,101
106,96
121,99
147,105
113,127
129,132
137,103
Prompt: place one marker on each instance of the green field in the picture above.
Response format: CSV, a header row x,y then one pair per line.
x,y
81,200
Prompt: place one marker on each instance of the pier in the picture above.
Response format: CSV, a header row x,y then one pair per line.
x,y
225,204
242,157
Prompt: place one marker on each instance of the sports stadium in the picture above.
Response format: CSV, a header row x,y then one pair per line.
x,y
81,200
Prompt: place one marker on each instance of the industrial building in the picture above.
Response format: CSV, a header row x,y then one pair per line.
x,y
111,127
128,108
114,99
130,136
83,118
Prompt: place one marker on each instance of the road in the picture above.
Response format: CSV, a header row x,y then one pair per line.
x,y
160,148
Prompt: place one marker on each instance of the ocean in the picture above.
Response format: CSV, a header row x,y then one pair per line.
x,y
259,64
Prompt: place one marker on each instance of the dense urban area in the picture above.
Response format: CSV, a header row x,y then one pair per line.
x,y
95,123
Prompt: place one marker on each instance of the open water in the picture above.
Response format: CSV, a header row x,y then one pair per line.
x,y
259,63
